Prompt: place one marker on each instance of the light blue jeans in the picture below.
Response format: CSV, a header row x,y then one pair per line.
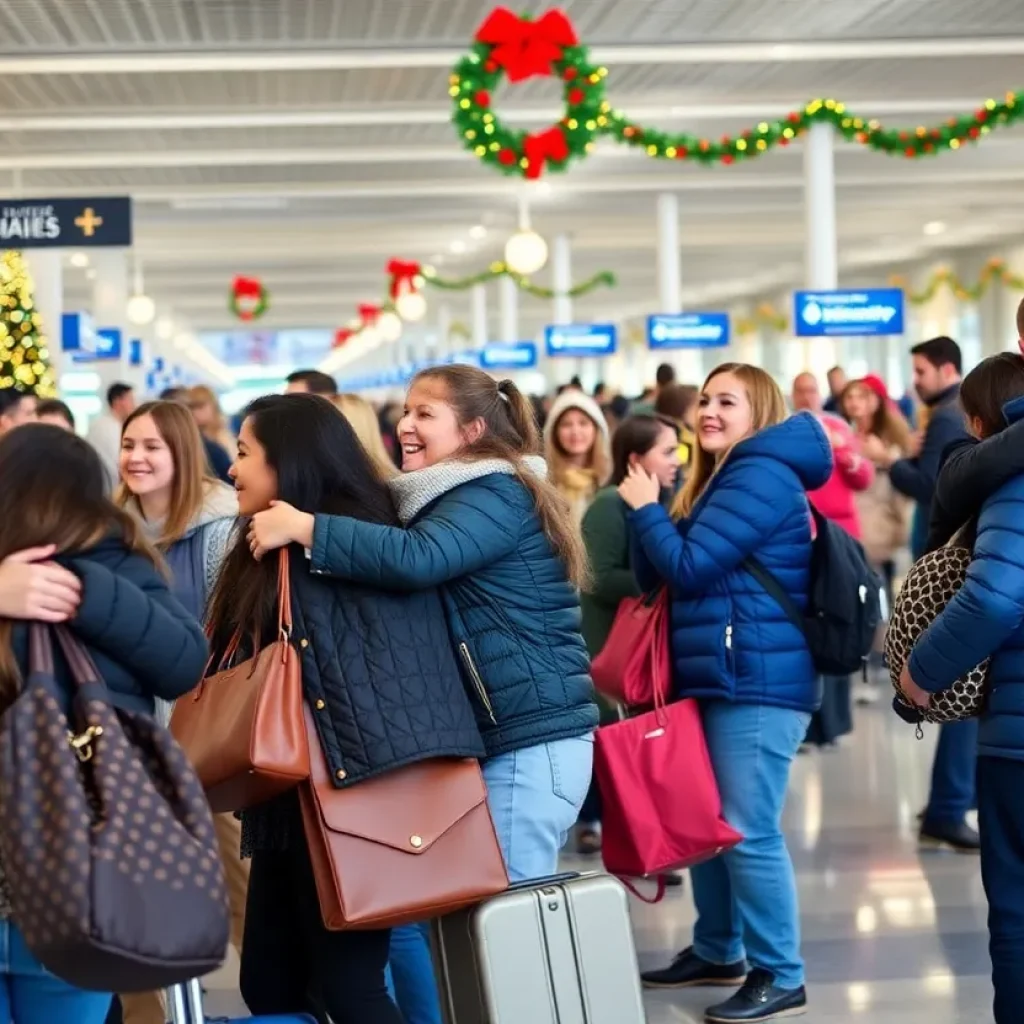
x,y
30,994
535,795
746,898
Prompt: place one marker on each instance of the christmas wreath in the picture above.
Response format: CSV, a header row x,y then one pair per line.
x,y
516,47
249,299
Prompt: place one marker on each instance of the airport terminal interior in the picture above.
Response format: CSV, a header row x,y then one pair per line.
x,y
221,192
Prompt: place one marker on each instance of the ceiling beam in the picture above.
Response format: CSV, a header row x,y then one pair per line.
x,y
432,115
221,61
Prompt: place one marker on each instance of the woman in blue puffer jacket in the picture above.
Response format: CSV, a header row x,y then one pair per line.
x,y
735,649
985,485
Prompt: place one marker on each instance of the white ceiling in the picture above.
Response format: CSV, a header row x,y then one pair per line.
x,y
307,141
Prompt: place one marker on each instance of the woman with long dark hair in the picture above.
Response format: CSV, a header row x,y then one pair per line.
x,y
67,554
379,674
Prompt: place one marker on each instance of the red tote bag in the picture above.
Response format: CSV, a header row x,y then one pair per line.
x,y
635,667
661,807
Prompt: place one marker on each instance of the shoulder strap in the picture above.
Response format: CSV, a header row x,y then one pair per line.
x,y
775,590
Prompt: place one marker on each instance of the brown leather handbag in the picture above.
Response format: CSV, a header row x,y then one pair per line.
x,y
413,844
242,727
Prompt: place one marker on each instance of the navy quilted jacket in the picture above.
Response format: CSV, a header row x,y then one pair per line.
x,y
144,642
730,640
380,675
986,618
513,615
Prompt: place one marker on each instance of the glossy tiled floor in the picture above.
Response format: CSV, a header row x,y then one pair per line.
x,y
889,936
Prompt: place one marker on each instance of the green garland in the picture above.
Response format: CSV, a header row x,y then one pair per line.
x,y
994,271
588,115
602,279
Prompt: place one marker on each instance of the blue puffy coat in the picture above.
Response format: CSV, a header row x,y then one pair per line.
x,y
986,618
472,530
730,639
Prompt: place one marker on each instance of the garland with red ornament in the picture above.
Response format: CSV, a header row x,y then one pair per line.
x,y
249,300
517,47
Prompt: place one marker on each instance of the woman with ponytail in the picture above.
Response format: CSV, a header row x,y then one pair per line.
x,y
480,520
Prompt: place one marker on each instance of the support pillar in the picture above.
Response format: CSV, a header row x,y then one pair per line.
x,y
109,302
558,371
47,272
822,247
509,310
689,363
479,315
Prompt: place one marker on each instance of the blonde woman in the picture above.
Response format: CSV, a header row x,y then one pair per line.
x,y
576,449
190,518
212,422
736,651
364,422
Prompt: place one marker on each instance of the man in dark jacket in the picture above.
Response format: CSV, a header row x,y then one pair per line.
x,y
937,372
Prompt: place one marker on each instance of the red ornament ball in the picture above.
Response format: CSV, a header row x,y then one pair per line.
x,y
576,97
570,74
507,157
794,118
728,158
910,152
482,98
974,132
490,66
682,153
981,116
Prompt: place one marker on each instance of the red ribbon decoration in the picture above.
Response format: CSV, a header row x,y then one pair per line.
x,y
402,273
524,48
543,147
247,288
369,314
341,335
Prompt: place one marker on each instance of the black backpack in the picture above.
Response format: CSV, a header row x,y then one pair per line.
x,y
844,607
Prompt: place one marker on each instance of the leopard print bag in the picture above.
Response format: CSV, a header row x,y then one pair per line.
x,y
931,584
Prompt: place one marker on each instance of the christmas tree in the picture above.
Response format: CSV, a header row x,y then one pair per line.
x,y
24,359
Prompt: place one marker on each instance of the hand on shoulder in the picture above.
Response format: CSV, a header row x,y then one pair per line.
x,y
31,587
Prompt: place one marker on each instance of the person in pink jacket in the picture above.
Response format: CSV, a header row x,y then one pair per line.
x,y
852,473
837,502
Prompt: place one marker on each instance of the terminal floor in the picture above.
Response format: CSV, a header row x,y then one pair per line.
x,y
889,934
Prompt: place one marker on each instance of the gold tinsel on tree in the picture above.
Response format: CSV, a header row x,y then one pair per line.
x,y
24,358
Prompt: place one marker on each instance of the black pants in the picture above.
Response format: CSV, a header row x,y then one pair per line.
x,y
1001,824
835,716
287,953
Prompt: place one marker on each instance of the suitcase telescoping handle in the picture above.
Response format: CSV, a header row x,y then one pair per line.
x,y
540,883
185,1003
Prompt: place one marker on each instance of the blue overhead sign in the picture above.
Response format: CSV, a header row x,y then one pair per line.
x,y
687,330
518,355
848,314
77,334
580,339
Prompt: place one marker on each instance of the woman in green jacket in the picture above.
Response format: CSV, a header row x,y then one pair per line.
x,y
651,442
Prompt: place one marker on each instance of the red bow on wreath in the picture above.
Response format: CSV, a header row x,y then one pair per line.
x,y
341,335
248,298
550,145
247,288
402,273
524,48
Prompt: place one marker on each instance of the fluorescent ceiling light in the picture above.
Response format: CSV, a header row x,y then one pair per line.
x,y
935,227
478,231
232,203
458,247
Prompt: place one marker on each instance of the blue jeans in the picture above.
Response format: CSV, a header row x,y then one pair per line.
x,y
746,898
535,795
410,975
30,994
953,774
1001,824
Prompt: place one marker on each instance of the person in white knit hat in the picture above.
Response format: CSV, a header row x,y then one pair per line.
x,y
576,446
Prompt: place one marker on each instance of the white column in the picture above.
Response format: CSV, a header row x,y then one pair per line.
x,y
509,310
109,299
47,272
558,371
444,329
822,253
689,364
478,326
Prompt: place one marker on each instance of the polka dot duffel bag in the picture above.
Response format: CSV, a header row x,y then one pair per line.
x,y
931,584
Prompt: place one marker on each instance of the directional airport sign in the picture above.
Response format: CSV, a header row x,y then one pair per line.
x,y
580,340
687,330
851,313
517,355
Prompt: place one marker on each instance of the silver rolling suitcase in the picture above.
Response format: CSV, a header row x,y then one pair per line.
x,y
555,951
